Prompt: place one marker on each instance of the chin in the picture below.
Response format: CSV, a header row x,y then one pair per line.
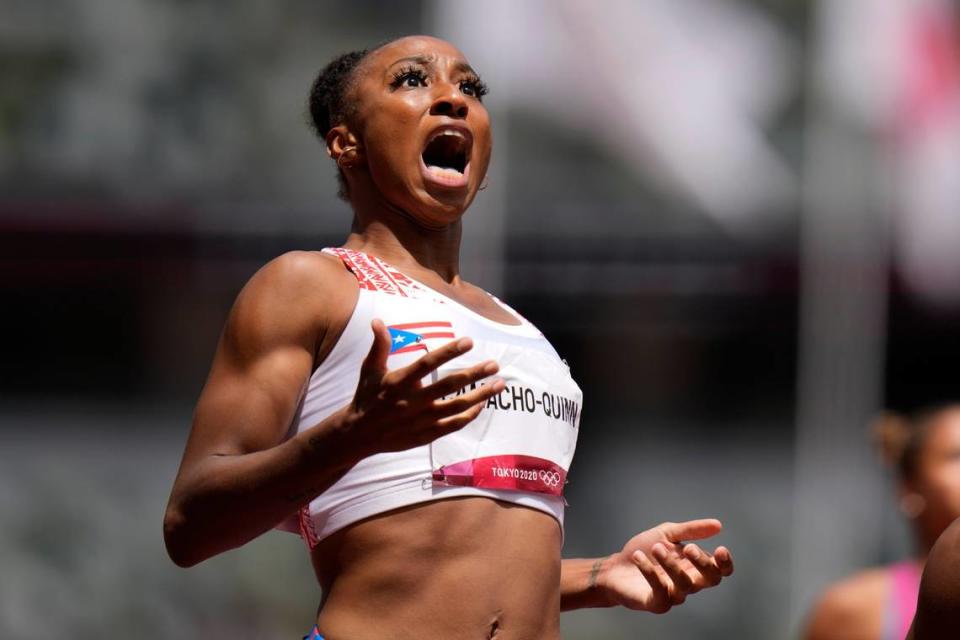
x,y
439,207
450,201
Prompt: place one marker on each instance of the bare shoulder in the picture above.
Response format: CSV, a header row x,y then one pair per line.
x,y
296,275
939,601
851,608
299,292
280,322
944,560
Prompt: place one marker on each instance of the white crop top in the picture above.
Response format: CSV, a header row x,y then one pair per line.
x,y
519,448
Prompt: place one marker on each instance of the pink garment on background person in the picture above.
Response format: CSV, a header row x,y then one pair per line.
x,y
904,587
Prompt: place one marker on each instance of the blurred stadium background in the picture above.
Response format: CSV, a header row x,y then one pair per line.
x,y
738,220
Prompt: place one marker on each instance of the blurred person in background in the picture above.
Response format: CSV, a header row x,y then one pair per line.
x,y
353,397
879,603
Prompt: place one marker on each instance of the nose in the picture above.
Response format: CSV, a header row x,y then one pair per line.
x,y
450,102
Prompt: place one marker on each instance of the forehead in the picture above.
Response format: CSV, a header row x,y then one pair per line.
x,y
434,49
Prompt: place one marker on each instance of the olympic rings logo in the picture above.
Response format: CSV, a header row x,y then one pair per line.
x,y
549,478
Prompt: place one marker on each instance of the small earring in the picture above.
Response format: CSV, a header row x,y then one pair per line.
x,y
342,158
912,505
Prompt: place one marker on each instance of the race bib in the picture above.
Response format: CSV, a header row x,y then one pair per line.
x,y
525,437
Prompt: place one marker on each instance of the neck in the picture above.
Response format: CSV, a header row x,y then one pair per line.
x,y
388,232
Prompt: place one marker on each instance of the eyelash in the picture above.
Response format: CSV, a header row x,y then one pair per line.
x,y
477,86
408,72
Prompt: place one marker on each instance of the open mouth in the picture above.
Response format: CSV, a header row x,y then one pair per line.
x,y
446,158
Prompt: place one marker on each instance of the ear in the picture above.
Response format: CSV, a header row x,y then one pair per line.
x,y
341,143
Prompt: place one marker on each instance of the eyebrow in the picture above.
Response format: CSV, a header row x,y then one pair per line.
x,y
426,61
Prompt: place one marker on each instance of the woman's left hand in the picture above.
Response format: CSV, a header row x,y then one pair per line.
x,y
657,569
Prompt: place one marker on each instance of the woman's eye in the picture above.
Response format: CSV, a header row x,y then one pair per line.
x,y
410,79
473,88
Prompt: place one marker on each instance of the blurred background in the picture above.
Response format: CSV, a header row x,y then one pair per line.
x,y
738,221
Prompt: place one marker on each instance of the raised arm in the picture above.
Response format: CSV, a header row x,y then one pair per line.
x,y
655,570
239,477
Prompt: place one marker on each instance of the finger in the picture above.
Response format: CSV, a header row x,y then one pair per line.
x,y
707,566
656,578
458,421
691,530
456,381
414,372
376,361
692,572
671,563
480,395
724,560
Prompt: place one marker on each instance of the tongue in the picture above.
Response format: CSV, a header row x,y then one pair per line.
x,y
445,176
444,172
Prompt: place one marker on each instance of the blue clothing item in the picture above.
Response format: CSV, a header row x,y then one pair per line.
x,y
314,634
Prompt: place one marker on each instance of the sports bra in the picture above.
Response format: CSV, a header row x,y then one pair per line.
x,y
517,450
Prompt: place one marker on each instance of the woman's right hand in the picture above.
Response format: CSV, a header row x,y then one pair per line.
x,y
394,410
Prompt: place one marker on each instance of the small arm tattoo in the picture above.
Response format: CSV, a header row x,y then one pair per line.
x,y
594,572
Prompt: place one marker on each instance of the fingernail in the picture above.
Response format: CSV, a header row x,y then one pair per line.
x,y
490,368
498,385
464,344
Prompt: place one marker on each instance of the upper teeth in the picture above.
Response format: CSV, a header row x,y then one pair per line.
x,y
449,132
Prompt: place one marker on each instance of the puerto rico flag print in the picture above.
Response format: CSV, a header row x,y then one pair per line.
x,y
414,336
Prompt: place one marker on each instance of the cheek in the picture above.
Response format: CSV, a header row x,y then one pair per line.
x,y
484,138
486,147
951,474
393,153
944,486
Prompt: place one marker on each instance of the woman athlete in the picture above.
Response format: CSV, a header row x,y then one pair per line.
x,y
879,604
418,429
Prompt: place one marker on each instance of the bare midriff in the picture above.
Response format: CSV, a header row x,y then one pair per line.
x,y
458,569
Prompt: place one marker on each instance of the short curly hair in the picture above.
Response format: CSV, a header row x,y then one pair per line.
x,y
327,102
902,438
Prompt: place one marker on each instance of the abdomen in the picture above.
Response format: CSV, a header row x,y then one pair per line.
x,y
462,568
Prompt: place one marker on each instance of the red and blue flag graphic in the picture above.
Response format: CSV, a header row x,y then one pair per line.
x,y
412,336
